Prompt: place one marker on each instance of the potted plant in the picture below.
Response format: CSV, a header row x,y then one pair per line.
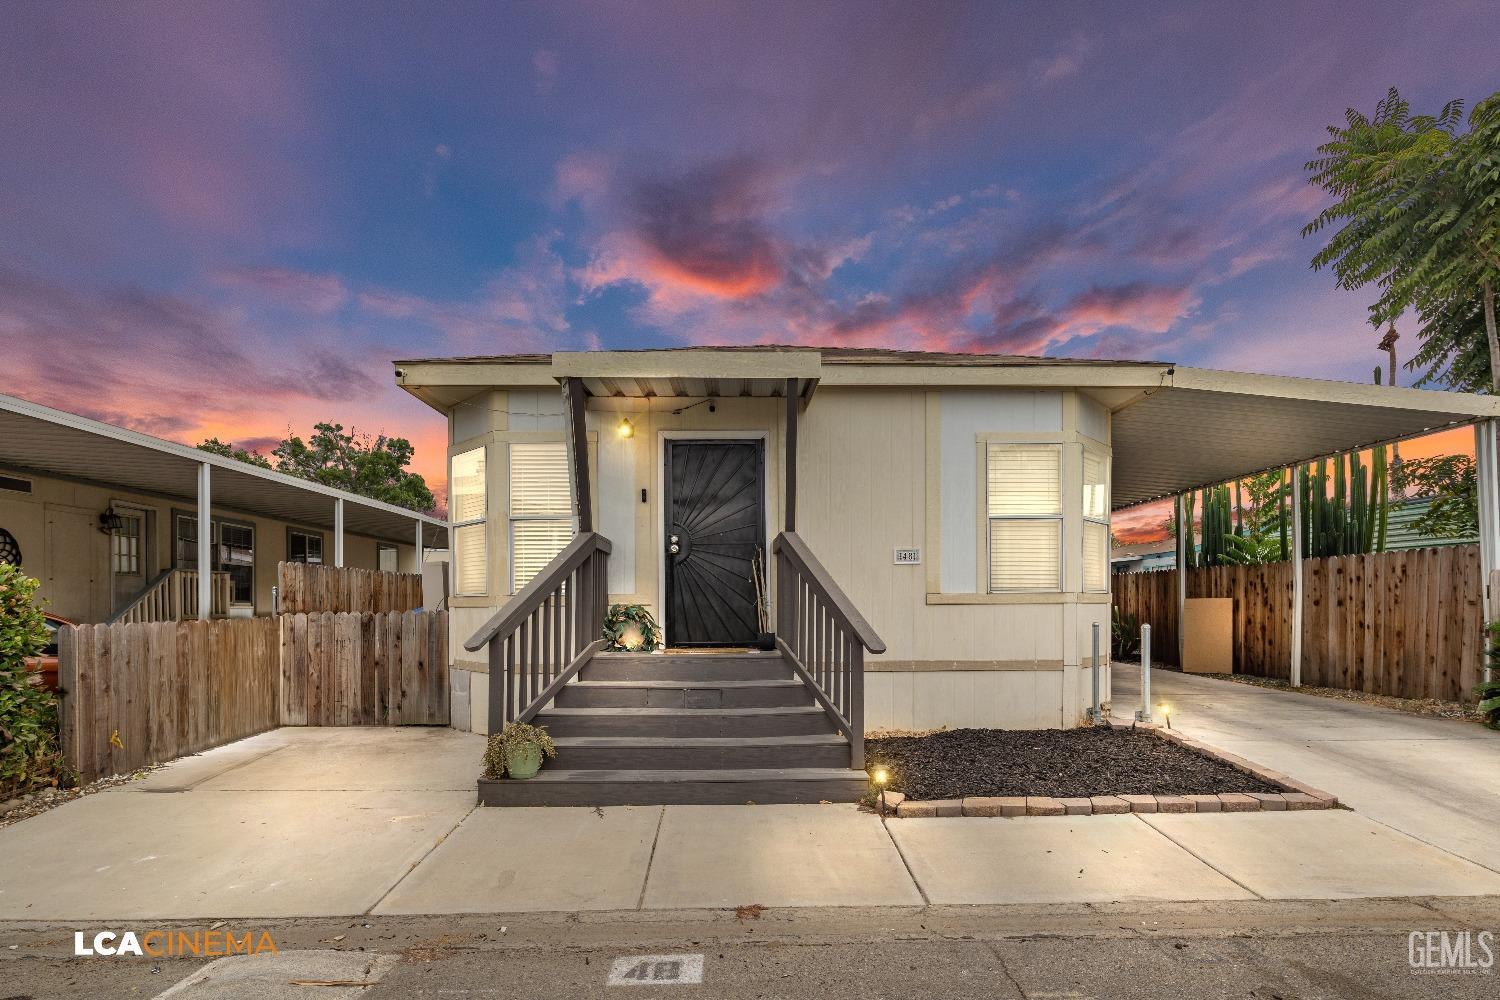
x,y
630,627
517,750
765,638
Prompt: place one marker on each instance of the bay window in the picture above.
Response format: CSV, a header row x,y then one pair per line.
x,y
1023,499
541,508
1095,522
468,501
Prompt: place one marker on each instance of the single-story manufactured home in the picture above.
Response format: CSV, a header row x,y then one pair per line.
x,y
108,520
926,535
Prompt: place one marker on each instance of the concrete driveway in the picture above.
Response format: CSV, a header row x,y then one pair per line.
x,y
1437,780
327,822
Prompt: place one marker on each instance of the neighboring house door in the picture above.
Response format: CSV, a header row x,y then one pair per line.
x,y
128,546
75,549
715,526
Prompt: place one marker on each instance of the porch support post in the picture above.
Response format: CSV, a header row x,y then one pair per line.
x,y
1489,518
338,532
790,472
205,542
577,437
1296,666
1182,560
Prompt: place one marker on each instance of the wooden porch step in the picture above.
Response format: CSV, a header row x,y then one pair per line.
x,y
558,787
668,722
588,753
753,666
684,694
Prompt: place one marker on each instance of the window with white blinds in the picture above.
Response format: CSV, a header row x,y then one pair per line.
x,y
1095,522
541,508
467,511
1023,499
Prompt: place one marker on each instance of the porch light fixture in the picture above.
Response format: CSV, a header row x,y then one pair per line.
x,y
626,428
110,522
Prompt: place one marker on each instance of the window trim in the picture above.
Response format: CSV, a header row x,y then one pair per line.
x,y
1056,448
481,521
1088,587
570,516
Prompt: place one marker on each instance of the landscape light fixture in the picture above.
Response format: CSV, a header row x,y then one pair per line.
x,y
1166,711
626,428
880,777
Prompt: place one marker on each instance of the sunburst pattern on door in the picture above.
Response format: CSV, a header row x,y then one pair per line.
x,y
715,520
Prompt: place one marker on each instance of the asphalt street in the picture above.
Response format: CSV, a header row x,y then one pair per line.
x,y
1261,949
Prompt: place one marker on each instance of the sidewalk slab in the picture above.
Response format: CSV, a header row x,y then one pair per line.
x,y
124,855
534,860
777,855
1050,860
368,759
284,975
1329,854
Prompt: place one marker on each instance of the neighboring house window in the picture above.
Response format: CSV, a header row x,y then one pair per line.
x,y
125,545
184,542
304,546
541,508
10,549
468,502
386,558
1023,494
236,557
1095,522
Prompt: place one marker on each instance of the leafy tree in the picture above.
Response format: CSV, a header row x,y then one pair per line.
x,y
372,467
30,754
1417,211
217,447
1451,485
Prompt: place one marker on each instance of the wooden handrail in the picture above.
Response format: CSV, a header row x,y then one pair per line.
x,y
792,545
824,638
526,600
172,596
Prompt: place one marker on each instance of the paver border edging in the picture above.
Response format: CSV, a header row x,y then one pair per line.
x,y
1294,796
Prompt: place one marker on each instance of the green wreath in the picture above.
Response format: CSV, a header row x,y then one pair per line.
x,y
624,618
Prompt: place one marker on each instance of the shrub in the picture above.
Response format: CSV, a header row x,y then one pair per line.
x,y
1125,636
1488,693
515,734
30,750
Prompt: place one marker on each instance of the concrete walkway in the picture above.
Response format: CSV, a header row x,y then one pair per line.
x,y
323,822
1437,780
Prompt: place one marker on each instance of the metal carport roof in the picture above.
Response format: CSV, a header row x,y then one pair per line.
x,y
40,440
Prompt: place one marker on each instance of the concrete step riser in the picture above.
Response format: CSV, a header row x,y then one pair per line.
x,y
674,668
697,724
609,793
778,697
698,758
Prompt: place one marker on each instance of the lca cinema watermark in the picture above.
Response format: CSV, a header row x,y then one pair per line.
x,y
161,943
1451,952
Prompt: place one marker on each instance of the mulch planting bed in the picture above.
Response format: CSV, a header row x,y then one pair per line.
x,y
1061,763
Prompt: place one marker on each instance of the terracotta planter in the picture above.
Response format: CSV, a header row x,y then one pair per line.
x,y
524,761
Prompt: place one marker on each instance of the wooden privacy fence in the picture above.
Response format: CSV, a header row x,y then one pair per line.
x,y
303,588
143,693
138,694
1408,624
364,670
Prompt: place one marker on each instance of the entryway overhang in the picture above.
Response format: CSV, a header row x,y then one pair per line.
x,y
712,373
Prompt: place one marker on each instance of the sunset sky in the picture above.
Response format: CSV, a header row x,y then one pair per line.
x,y
228,219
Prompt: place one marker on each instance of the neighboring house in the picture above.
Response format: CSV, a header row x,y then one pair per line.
x,y
108,520
961,502
1143,557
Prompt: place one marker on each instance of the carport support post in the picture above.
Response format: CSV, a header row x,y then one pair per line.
x,y
338,532
419,547
1182,561
1296,667
1489,519
205,543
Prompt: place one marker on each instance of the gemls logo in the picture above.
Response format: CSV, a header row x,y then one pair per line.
x,y
1450,951
160,944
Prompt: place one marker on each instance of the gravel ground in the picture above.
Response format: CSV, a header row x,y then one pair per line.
x,y
1065,763
15,810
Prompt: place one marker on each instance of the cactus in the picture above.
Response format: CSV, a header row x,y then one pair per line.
x,y
1355,517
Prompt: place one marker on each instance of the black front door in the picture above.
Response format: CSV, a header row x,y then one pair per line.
x,y
715,527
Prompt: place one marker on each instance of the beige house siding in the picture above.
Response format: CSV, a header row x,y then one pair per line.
x,y
880,469
57,527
